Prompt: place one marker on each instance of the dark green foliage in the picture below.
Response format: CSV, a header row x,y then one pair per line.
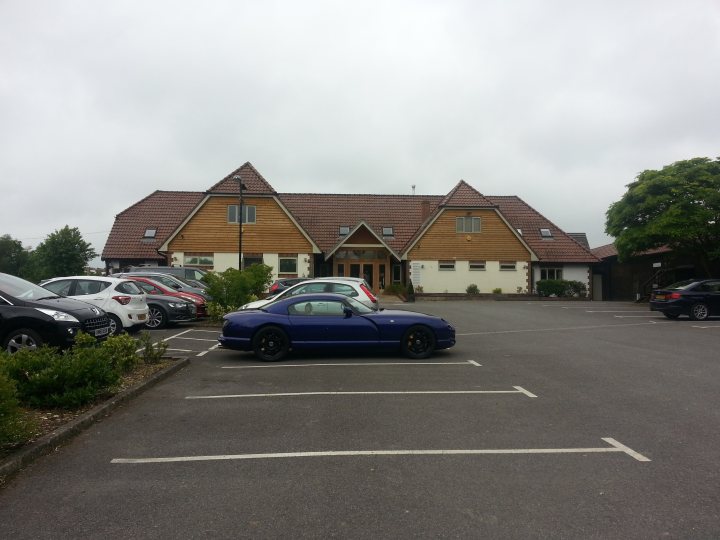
x,y
63,253
47,377
13,256
472,289
560,287
14,427
232,288
678,207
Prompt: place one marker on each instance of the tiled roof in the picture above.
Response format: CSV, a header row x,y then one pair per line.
x,y
161,210
558,248
254,183
321,215
609,250
466,196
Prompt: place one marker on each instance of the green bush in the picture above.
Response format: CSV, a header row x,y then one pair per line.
x,y
46,377
152,353
231,289
472,289
395,288
122,351
560,288
14,427
497,290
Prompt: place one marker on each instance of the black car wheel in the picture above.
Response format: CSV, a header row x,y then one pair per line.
x,y
418,342
699,312
671,315
271,344
115,324
157,318
23,338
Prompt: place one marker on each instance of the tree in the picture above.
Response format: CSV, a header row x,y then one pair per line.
x,y
677,207
13,257
63,253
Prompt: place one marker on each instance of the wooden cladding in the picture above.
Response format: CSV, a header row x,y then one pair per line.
x,y
494,242
209,230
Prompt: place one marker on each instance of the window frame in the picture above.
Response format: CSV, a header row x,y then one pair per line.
x,y
508,266
446,266
461,224
232,212
554,269
477,266
286,259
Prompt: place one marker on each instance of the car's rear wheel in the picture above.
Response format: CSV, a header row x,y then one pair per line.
x,y
23,338
418,342
671,315
271,344
115,324
699,312
157,318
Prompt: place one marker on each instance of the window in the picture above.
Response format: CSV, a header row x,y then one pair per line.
x,y
446,265
508,266
317,308
344,230
248,213
467,224
388,231
546,233
341,288
287,265
249,260
150,233
199,259
341,270
477,265
551,273
61,287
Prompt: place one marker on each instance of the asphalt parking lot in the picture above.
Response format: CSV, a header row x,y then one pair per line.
x,y
547,420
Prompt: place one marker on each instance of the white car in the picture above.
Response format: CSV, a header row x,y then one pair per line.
x,y
122,299
353,287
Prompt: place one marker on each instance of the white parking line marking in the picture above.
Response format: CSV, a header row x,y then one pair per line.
x,y
636,316
196,339
704,327
616,311
202,353
518,390
217,331
615,447
357,364
179,350
474,363
178,335
593,327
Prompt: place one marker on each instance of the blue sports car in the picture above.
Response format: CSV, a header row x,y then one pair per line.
x,y
332,321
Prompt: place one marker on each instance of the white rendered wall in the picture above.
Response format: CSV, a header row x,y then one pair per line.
x,y
432,280
570,272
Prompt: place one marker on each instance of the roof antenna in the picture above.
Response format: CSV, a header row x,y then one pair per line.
x,y
413,188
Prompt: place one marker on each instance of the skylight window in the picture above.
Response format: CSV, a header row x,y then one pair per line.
x,y
344,230
546,233
150,233
388,231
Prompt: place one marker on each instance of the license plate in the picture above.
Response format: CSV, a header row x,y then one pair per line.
x,y
102,331
659,297
141,317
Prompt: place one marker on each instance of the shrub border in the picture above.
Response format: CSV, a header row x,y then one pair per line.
x,y
44,445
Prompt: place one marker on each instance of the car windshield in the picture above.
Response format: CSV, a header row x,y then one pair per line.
x,y
19,288
683,284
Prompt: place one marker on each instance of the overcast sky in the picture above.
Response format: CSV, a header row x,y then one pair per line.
x,y
561,103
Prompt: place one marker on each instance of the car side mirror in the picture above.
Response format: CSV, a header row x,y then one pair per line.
x,y
348,312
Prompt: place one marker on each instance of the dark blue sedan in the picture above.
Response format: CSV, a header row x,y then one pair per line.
x,y
698,299
332,321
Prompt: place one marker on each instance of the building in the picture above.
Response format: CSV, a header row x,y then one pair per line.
x,y
442,243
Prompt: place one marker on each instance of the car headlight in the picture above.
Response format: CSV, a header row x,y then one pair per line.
x,y
177,305
58,315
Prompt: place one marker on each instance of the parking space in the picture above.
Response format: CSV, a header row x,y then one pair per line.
x,y
547,419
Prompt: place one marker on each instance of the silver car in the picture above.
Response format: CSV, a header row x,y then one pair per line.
x,y
354,287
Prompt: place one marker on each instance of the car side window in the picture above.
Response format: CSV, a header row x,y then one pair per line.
x,y
341,288
317,308
86,286
309,288
128,287
61,287
150,289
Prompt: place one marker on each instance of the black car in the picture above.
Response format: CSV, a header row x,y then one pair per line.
x,y
164,310
698,299
31,316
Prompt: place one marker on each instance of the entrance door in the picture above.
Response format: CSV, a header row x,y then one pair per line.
x,y
368,274
354,270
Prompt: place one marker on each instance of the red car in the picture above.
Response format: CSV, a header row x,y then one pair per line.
x,y
150,286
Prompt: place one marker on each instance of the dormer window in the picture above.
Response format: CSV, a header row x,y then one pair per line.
x,y
388,231
344,230
150,233
546,233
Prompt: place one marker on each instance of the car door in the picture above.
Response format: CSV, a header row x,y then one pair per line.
x,y
713,296
62,287
321,323
92,291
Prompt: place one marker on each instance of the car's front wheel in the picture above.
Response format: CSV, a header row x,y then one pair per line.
x,y
23,338
418,342
271,344
671,315
699,312
157,318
